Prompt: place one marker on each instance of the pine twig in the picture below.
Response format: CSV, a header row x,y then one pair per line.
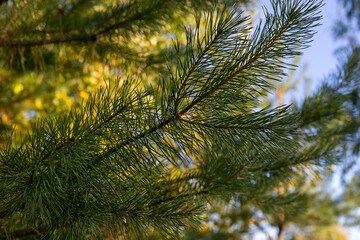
x,y
73,139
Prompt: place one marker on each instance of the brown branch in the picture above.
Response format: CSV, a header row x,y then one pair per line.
x,y
179,213
237,172
24,232
6,28
110,118
224,127
29,43
77,38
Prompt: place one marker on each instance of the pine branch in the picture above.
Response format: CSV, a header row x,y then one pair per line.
x,y
291,163
186,109
28,232
352,67
192,69
224,126
207,191
93,37
30,43
156,215
235,174
247,65
6,28
74,138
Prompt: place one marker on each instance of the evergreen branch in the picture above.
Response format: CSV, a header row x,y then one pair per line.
x,y
73,182
331,96
144,214
77,38
318,118
223,126
193,67
119,10
57,148
296,163
241,69
74,138
118,112
28,232
30,43
176,115
6,163
207,191
237,172
179,213
136,17
211,175
186,195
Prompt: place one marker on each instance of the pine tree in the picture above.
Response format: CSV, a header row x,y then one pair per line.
x,y
134,160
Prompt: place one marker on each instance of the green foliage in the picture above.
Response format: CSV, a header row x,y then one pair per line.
x,y
132,157
53,53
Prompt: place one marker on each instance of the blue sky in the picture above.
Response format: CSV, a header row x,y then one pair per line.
x,y
321,61
319,57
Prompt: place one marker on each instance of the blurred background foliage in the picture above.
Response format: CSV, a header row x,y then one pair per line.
x,y
54,53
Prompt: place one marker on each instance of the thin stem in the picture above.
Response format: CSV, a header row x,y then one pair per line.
x,y
6,28
77,38
224,127
301,161
180,213
237,172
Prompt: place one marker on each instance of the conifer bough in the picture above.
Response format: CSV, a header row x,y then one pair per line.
x,y
134,161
